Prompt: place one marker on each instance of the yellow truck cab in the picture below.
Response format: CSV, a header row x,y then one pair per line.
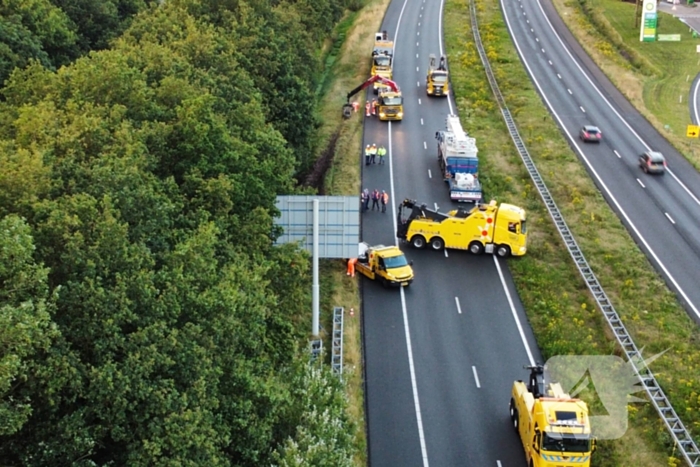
x,y
485,228
387,264
437,82
390,105
554,428
382,57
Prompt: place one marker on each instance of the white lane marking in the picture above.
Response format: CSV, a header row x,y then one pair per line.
x,y
421,121
532,30
583,156
430,174
582,109
425,145
498,464
640,182
442,5
537,39
414,384
542,50
670,218
418,83
417,68
531,359
476,377
446,255
570,91
419,24
417,44
550,62
419,101
418,33
617,154
436,206
416,55
558,76
459,308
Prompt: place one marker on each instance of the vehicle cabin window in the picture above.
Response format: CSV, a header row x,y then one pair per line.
x,y
381,263
512,227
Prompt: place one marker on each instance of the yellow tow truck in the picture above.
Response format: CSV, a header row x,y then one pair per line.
x,y
485,228
437,82
382,57
554,427
387,264
389,103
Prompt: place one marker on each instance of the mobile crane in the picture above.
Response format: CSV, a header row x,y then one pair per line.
x,y
437,81
457,155
390,102
554,427
485,228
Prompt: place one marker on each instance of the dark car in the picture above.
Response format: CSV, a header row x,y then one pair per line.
x,y
590,134
652,162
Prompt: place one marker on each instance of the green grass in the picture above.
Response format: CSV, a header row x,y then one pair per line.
x,y
660,88
560,309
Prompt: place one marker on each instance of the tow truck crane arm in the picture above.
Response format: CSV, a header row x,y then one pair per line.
x,y
394,87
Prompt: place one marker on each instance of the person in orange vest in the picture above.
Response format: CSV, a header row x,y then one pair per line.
x,y
367,108
351,267
375,104
385,200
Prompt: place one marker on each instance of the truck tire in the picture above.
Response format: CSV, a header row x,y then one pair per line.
x,y
514,414
436,243
476,247
418,242
503,251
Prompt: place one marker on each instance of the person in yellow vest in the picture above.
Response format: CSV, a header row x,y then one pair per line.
x,y
368,154
381,152
385,200
373,153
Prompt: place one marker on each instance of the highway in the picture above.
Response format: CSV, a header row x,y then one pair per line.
x,y
440,356
661,212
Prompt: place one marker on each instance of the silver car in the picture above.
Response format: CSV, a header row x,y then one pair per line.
x,y
652,162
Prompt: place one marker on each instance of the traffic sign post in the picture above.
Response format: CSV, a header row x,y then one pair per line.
x,y
693,131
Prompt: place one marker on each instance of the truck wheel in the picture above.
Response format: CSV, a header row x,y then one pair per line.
x,y
514,414
418,241
503,251
476,247
436,243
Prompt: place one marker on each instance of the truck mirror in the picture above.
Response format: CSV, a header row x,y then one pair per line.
x,y
411,263
593,444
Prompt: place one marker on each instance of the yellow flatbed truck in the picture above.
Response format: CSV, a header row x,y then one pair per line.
x,y
387,264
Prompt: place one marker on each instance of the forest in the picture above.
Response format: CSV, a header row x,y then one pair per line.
x,y
146,316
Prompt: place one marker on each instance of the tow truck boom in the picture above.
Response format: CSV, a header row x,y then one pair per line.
x,y
394,87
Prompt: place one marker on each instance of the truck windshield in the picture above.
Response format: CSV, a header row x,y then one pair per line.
x,y
566,443
382,61
393,100
523,227
395,262
439,78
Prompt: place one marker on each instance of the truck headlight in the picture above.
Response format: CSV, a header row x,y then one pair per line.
x,y
400,114
382,114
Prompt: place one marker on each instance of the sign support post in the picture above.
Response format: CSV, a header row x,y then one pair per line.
x,y
315,287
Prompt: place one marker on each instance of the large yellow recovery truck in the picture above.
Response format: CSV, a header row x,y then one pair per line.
x,y
553,427
382,57
485,228
437,81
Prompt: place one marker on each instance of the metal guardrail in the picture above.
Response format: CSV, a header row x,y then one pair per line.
x,y
688,449
337,347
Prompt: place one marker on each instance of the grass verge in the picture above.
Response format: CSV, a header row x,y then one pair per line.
x,y
559,307
350,67
655,76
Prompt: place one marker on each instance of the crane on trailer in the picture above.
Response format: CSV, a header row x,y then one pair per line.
x,y
389,103
437,81
457,155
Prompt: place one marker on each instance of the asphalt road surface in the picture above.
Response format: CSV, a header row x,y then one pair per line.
x,y
440,356
661,212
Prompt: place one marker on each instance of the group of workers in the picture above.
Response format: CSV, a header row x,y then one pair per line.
x,y
376,197
372,152
371,108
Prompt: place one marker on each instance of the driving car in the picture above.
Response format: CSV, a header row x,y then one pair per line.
x,y
653,162
590,134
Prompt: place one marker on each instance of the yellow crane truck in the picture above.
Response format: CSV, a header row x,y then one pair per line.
x,y
387,264
437,82
485,228
382,57
389,104
553,427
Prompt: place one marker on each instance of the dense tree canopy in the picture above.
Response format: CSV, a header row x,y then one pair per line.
x,y
146,317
